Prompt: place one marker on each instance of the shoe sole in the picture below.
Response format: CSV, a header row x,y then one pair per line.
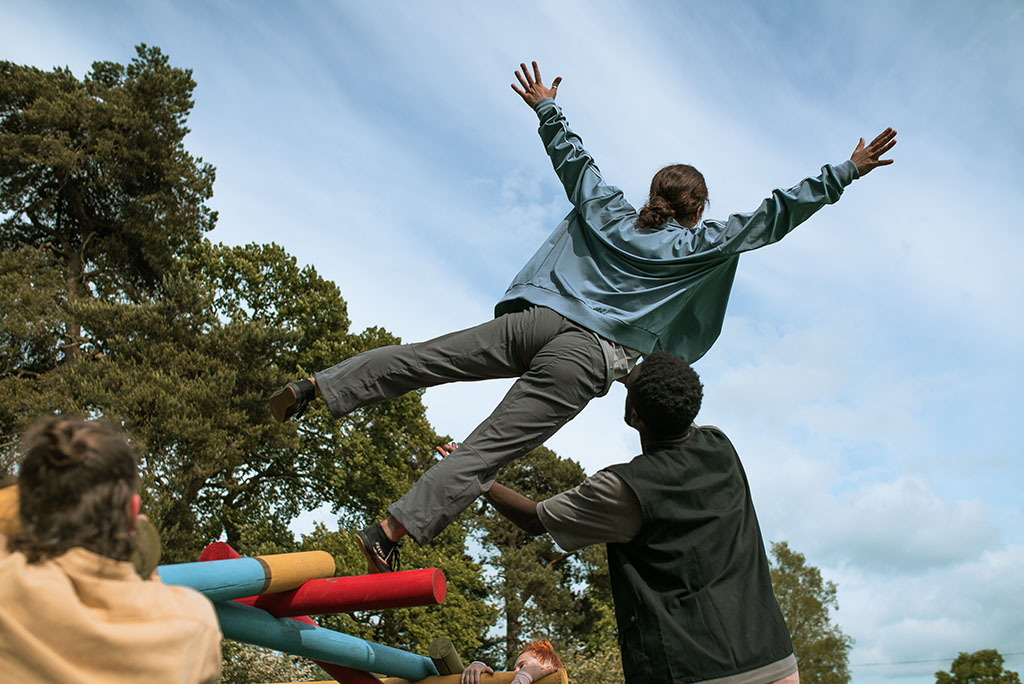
x,y
282,400
370,565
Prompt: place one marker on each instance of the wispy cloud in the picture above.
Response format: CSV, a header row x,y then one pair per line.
x,y
869,369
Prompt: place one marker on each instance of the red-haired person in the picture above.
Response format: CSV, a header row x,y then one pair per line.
x,y
609,285
535,661
72,606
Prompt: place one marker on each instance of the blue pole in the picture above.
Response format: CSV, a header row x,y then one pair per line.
x,y
220,580
392,662
255,626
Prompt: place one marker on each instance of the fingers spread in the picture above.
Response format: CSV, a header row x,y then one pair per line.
x,y
523,80
886,135
888,146
529,79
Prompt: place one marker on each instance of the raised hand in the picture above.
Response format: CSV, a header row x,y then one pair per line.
x,y
867,158
533,89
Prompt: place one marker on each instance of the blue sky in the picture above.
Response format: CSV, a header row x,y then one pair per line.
x,y
869,369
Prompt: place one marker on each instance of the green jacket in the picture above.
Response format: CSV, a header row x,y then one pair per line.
x,y
648,290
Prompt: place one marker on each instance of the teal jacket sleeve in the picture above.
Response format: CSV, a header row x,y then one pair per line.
x,y
598,203
777,215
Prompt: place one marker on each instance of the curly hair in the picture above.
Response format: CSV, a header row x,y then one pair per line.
x,y
75,486
543,652
677,192
665,392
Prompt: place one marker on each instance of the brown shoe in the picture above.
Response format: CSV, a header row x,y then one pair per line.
x,y
291,400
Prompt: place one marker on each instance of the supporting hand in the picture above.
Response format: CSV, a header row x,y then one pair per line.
x,y
447,449
537,671
471,675
867,158
533,89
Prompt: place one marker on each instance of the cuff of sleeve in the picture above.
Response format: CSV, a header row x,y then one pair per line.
x,y
543,104
847,172
522,678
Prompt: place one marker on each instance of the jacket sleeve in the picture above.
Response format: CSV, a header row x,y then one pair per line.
x,y
777,215
595,200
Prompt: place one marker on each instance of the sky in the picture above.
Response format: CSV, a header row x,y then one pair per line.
x,y
869,369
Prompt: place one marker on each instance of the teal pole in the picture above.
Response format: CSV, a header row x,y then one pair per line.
x,y
220,580
254,626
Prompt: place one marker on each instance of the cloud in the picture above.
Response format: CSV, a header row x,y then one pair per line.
x,y
931,616
902,526
869,368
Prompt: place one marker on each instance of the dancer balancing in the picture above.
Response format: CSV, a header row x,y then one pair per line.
x,y
609,285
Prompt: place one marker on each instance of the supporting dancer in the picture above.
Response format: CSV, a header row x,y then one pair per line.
x,y
609,285
689,575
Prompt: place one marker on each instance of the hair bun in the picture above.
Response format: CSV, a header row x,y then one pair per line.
x,y
64,451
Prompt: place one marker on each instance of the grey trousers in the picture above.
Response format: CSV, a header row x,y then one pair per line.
x,y
560,366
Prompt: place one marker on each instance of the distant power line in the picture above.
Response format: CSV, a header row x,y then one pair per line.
x,y
920,662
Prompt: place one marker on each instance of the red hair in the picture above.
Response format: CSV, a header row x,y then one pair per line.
x,y
543,652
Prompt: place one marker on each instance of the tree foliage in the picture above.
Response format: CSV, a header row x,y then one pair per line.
x,y
821,649
540,591
115,305
980,667
96,172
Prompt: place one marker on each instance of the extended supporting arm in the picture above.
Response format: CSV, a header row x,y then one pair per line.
x,y
519,510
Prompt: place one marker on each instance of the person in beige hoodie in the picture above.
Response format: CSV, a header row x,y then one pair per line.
x,y
73,607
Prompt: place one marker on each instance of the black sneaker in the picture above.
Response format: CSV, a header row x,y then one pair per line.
x,y
381,553
291,400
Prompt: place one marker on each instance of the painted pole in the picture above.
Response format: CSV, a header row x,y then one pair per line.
x,y
557,677
254,626
218,551
223,580
342,674
360,592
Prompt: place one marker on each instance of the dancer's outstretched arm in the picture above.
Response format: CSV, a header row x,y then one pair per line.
x,y
519,510
594,199
786,209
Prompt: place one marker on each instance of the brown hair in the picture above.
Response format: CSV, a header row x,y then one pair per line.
x,y
75,486
543,652
677,192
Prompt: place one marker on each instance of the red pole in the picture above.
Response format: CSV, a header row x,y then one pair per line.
x,y
342,674
360,592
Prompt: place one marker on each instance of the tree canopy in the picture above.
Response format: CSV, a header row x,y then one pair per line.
x,y
116,306
980,667
805,598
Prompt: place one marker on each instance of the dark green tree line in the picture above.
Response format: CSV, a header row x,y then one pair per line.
x,y
115,305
